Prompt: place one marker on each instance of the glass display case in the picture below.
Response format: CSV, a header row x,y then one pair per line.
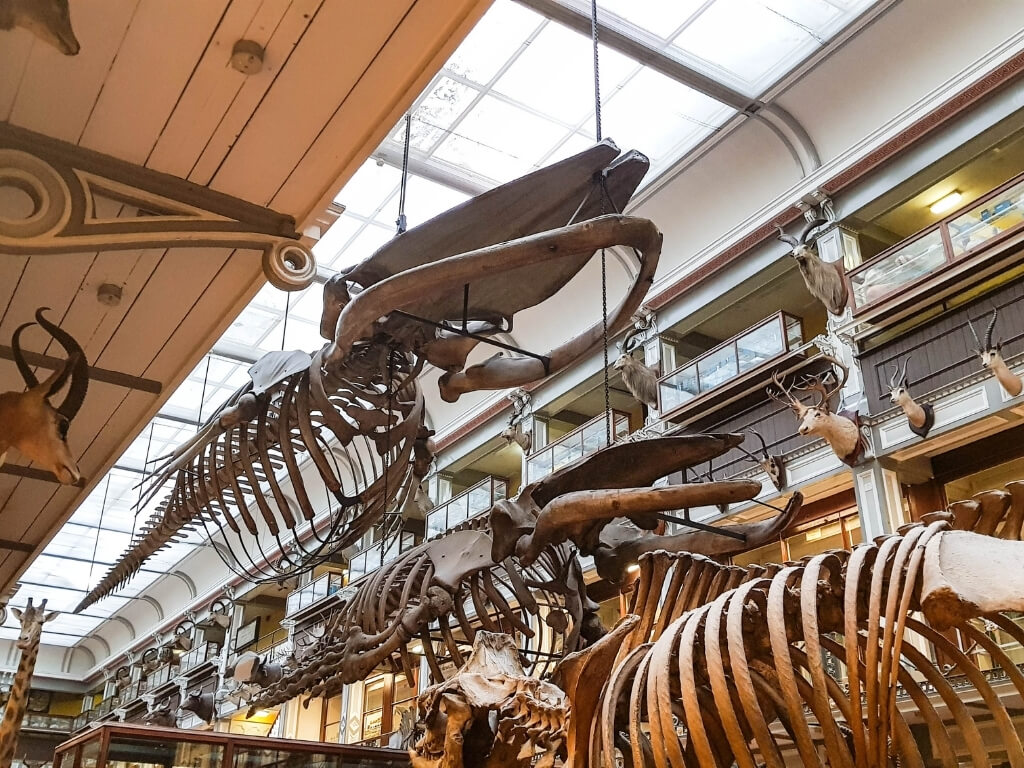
x,y
314,592
963,234
467,504
140,746
582,441
772,337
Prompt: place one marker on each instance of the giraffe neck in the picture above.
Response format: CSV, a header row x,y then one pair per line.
x,y
10,727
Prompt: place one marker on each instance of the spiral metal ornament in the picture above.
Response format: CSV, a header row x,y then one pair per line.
x,y
289,266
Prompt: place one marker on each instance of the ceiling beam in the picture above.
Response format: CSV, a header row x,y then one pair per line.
x,y
459,179
95,374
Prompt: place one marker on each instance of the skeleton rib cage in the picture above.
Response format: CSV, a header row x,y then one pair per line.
x,y
356,426
741,666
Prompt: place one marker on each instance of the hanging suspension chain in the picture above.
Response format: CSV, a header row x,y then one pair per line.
x,y
401,222
284,322
597,70
604,254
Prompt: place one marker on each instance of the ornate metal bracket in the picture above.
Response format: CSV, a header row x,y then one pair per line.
x,y
68,192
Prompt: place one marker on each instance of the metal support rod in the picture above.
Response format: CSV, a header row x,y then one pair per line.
x,y
95,374
16,546
700,526
544,359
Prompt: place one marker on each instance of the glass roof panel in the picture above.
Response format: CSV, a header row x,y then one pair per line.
x,y
369,188
659,17
495,38
444,101
555,74
500,140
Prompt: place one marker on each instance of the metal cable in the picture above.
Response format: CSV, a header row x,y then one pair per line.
x,y
604,254
401,222
597,70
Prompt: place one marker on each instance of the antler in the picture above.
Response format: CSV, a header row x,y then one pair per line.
x,y
764,447
785,392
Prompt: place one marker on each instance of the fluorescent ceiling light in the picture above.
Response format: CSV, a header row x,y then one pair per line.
x,y
947,203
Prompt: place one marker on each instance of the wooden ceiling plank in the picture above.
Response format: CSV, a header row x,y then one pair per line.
x,y
209,93
14,56
39,288
377,103
181,30
229,290
328,62
279,49
58,92
179,280
12,268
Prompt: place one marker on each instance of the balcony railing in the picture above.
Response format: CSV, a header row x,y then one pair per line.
x,y
198,655
378,553
161,675
36,721
996,216
582,441
83,720
470,503
759,345
314,592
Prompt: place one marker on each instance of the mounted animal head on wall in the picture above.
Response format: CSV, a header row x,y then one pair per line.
x,y
29,422
49,20
826,281
641,380
920,418
992,358
770,464
840,430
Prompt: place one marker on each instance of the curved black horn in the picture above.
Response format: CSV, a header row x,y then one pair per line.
x,y
806,234
627,345
787,239
991,327
19,358
895,376
78,367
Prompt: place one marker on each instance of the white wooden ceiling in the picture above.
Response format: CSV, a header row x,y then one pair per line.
x,y
152,85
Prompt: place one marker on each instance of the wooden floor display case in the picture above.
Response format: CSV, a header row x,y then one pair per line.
x,y
141,746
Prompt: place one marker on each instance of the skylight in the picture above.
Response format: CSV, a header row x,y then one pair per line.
x,y
516,95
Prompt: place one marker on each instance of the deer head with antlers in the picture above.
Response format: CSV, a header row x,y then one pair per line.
x,y
29,422
770,464
825,281
641,380
920,418
992,358
840,430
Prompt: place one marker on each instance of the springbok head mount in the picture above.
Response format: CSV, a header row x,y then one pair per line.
x,y
898,384
770,464
801,247
32,618
987,351
29,422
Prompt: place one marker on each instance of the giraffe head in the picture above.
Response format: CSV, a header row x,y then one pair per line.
x,y
32,619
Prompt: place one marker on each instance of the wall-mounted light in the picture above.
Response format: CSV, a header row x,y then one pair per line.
x,y
946,203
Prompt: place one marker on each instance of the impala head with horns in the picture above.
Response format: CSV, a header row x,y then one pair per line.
x,y
28,420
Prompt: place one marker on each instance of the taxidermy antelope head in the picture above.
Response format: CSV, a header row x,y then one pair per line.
x,y
839,430
641,380
771,465
29,422
920,418
514,433
49,20
825,281
992,358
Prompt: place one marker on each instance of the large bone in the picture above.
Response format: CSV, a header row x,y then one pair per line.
x,y
581,515
967,575
357,318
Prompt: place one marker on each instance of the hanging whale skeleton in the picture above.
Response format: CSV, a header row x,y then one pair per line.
x,y
354,409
